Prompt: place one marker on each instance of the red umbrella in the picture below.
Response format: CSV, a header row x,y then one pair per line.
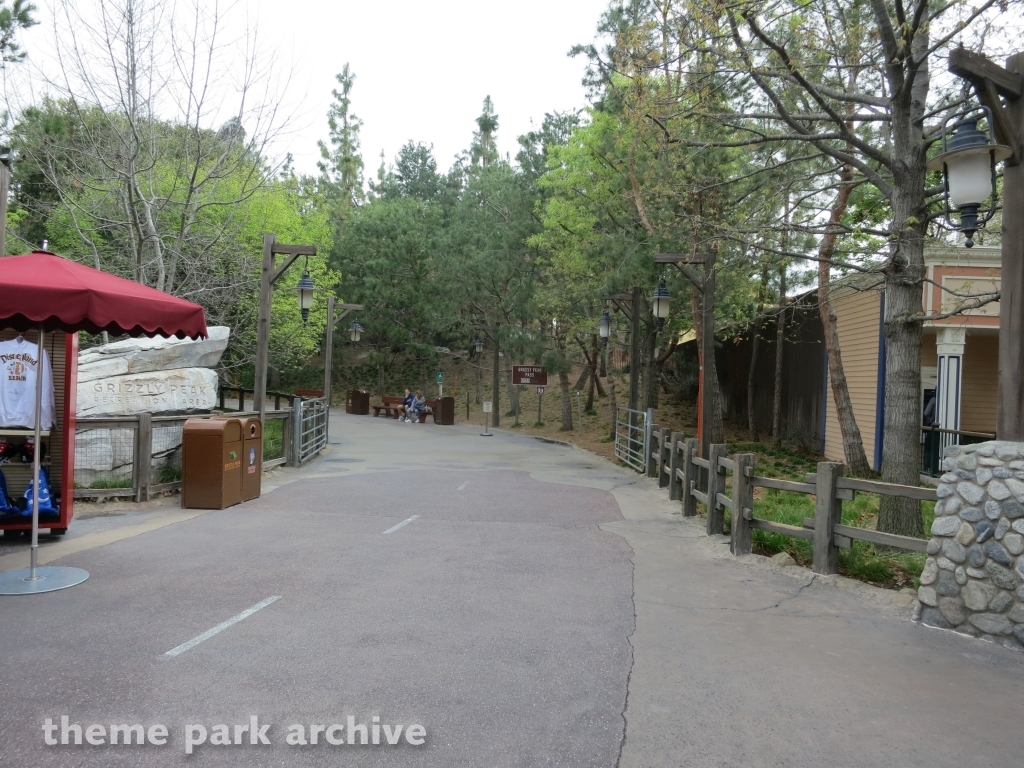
x,y
44,290
41,290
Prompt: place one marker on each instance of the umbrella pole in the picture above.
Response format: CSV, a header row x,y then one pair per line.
x,y
34,550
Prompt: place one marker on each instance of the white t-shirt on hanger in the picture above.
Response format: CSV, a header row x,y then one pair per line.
x,y
18,371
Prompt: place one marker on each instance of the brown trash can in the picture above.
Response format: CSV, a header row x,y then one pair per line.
x,y
357,402
211,463
445,413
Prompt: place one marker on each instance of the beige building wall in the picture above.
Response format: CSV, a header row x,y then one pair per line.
x,y
857,316
979,398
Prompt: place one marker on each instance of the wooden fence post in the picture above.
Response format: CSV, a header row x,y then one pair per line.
x,y
689,477
655,442
664,457
143,456
743,504
295,427
828,513
674,465
716,485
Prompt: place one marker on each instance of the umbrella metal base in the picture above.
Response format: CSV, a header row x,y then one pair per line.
x,y
48,579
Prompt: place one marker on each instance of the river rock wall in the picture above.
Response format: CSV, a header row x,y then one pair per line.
x,y
973,579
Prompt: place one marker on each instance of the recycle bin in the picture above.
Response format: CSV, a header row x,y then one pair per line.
x,y
357,402
211,463
445,413
252,457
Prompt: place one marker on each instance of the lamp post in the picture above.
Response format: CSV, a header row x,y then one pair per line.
x,y
332,321
269,275
1001,91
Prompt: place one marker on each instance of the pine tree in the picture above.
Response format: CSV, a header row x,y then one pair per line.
x,y
342,165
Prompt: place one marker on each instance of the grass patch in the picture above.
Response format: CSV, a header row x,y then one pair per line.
x,y
273,439
874,564
104,483
169,474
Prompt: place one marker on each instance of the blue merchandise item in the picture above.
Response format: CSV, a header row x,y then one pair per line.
x,y
46,506
5,506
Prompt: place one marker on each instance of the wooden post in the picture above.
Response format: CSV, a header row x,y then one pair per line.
x,y
634,352
743,504
653,464
5,185
691,446
329,351
664,456
263,329
716,485
296,430
675,464
828,512
1010,424
143,457
707,344
241,399
220,395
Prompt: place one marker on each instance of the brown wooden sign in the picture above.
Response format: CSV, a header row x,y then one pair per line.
x,y
533,375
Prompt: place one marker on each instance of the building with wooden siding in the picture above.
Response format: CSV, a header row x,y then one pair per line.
x,y
959,358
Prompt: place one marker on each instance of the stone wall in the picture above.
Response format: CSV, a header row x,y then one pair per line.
x,y
973,579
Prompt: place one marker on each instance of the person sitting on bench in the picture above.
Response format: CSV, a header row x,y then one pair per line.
x,y
403,409
419,405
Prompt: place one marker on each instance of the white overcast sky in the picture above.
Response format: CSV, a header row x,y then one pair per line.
x,y
422,68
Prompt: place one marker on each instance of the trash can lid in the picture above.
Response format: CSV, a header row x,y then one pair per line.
x,y
230,429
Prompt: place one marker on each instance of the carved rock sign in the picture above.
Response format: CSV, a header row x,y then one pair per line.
x,y
533,375
177,391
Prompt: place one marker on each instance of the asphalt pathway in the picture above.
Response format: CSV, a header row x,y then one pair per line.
x,y
527,603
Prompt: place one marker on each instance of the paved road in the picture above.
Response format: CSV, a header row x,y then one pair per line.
x,y
544,608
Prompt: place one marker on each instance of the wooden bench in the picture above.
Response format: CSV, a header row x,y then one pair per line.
x,y
392,408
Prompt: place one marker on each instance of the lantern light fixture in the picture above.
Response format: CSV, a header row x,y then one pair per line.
x,y
968,164
355,332
660,303
305,289
479,344
605,326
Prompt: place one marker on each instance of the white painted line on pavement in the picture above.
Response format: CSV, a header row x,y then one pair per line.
x,y
404,522
221,627
462,486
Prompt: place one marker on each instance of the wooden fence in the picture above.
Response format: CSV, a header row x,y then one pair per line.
x,y
673,460
142,486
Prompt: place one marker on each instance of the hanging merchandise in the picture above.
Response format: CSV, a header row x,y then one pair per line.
x,y
6,505
46,505
18,370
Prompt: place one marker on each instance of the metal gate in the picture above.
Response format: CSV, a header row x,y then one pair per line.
x,y
633,437
310,428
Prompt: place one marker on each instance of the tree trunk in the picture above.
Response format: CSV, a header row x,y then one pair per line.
x,y
563,383
496,387
581,382
513,397
853,444
755,344
780,344
903,308
590,391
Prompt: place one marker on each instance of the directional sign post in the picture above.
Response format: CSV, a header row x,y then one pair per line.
x,y
440,383
487,416
531,375
540,405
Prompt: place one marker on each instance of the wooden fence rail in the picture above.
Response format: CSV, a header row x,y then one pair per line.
x,y
690,478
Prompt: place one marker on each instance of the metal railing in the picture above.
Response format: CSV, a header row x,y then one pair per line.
x,y
633,437
310,428
132,457
934,440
